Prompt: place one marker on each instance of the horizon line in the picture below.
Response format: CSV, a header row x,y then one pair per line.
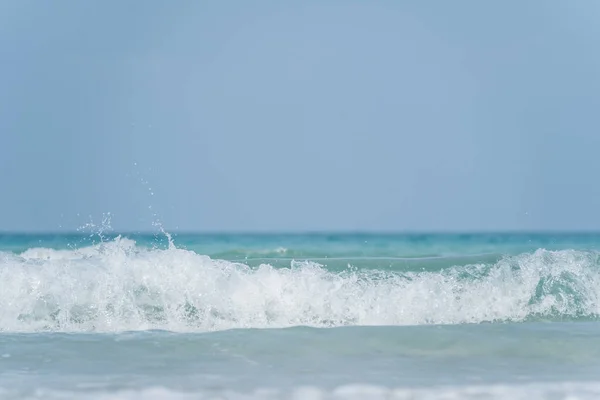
x,y
303,232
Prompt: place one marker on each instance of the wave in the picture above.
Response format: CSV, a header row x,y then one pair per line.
x,y
119,286
539,390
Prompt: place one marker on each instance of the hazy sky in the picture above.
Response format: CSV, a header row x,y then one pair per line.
x,y
312,115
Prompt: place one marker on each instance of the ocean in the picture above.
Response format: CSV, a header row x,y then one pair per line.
x,y
300,316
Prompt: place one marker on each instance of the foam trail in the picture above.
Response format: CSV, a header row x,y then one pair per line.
x,y
117,286
535,391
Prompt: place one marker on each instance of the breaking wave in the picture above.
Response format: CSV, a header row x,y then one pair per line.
x,y
119,286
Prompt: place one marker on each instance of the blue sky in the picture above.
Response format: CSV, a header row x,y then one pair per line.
x,y
294,116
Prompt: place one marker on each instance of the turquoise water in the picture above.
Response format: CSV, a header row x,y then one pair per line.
x,y
310,316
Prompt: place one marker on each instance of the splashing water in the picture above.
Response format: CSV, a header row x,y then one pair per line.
x,y
117,286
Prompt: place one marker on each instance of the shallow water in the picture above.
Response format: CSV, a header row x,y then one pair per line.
x,y
306,316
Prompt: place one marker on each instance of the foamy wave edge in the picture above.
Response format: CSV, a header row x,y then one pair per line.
x,y
532,391
118,286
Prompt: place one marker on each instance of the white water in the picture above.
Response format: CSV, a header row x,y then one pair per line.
x,y
556,391
118,286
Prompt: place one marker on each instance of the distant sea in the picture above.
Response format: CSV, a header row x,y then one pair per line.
x,y
312,316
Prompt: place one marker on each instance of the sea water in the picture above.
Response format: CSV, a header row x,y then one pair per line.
x,y
315,316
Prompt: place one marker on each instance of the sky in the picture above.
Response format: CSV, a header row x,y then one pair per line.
x,y
300,116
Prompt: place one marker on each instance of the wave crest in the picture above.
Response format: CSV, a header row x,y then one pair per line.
x,y
117,286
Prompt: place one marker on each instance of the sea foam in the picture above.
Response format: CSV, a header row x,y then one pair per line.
x,y
535,391
119,286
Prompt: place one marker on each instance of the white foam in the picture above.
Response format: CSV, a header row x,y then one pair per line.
x,y
119,286
536,391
